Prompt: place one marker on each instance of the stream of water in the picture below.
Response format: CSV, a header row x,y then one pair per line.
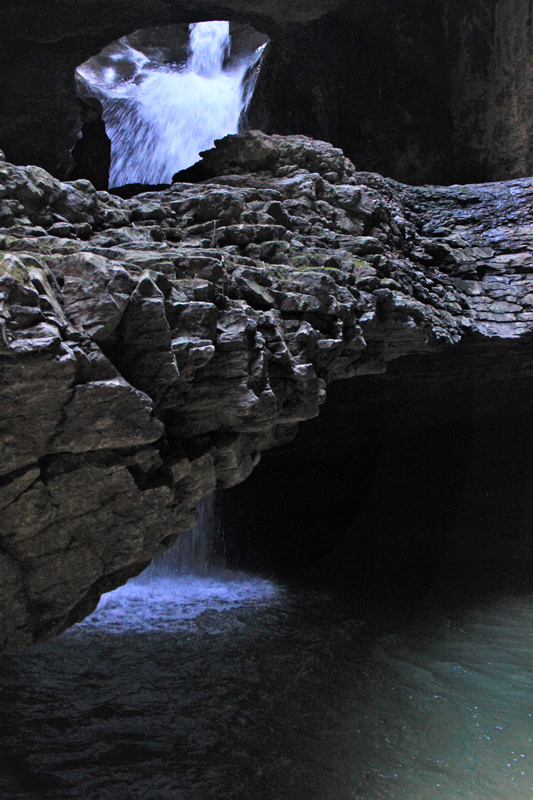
x,y
161,116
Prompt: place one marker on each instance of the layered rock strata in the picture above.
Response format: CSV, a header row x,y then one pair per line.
x,y
152,348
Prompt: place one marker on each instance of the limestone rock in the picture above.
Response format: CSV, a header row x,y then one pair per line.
x,y
151,349
255,151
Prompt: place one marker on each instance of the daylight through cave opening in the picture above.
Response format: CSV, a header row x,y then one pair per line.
x,y
168,93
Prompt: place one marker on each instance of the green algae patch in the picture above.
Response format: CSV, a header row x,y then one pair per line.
x,y
8,243
12,267
300,262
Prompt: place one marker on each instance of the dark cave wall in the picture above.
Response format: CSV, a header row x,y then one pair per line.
x,y
420,90
374,80
401,479
424,91
40,118
492,89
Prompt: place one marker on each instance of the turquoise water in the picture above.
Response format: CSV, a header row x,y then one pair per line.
x,y
235,688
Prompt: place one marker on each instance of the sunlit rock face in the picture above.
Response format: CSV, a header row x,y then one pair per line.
x,y
428,92
153,348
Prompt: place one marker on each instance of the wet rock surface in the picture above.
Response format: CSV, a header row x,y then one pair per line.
x,y
152,348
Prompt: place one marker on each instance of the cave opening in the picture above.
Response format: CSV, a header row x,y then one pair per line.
x,y
165,95
407,486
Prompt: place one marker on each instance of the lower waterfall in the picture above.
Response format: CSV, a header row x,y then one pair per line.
x,y
186,581
198,551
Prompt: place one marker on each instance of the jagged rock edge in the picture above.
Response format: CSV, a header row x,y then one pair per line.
x,y
127,319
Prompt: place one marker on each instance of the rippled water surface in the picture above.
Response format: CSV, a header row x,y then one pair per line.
x,y
233,688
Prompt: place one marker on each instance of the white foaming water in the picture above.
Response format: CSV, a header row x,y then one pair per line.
x,y
163,116
209,44
174,603
185,582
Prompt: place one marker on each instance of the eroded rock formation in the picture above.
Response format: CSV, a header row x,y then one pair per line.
x,y
152,348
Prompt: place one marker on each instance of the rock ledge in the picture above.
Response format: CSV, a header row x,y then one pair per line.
x,y
151,349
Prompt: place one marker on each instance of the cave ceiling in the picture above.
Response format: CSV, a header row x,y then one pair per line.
x,y
39,20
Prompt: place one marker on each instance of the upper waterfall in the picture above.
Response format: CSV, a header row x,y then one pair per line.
x,y
161,112
210,42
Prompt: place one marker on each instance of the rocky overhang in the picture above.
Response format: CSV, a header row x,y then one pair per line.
x,y
152,348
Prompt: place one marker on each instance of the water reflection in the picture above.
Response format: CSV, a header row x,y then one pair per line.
x,y
273,694
455,707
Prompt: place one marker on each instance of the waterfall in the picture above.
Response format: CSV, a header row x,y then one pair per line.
x,y
159,115
186,582
199,551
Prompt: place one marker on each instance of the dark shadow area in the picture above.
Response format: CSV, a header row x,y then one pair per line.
x,y
92,151
406,483
353,79
133,189
417,91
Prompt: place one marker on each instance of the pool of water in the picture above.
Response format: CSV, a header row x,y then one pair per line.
x,y
233,688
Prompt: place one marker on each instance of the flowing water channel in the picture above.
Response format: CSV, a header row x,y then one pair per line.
x,y
198,683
